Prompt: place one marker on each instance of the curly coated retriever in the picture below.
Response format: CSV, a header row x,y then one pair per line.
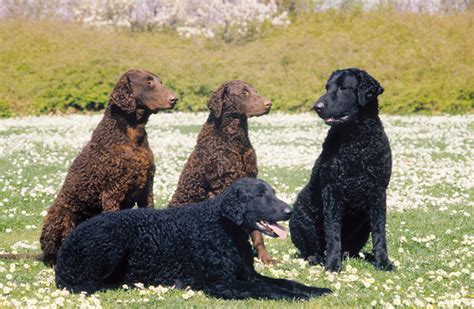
x,y
345,198
223,152
204,246
115,169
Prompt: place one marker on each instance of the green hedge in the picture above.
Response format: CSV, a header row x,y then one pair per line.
x,y
425,63
4,109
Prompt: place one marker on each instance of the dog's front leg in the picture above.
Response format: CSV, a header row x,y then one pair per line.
x,y
262,253
146,197
332,228
115,196
112,199
379,242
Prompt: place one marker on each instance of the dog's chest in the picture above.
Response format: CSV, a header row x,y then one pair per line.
x,y
138,161
357,167
239,158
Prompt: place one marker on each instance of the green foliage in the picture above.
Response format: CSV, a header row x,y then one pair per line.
x,y
425,63
4,109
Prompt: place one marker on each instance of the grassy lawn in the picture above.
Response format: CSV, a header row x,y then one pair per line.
x,y
430,217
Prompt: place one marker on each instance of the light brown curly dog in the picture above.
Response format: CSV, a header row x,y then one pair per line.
x,y
115,169
223,152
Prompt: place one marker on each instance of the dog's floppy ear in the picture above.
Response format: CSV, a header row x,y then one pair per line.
x,y
233,204
122,95
369,88
216,100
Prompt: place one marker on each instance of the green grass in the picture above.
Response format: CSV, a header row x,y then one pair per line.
x,y
425,63
434,270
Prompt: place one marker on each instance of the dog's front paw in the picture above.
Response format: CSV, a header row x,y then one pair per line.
x,y
385,265
315,259
382,262
333,265
267,259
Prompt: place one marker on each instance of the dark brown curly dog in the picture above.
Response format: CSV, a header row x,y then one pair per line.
x,y
115,169
223,152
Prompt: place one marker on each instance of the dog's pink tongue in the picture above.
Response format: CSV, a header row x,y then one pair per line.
x,y
279,230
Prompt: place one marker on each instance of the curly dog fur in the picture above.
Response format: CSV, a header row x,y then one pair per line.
x,y
204,246
223,152
345,198
115,169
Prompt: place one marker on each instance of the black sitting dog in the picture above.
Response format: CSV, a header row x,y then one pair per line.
x,y
345,198
204,246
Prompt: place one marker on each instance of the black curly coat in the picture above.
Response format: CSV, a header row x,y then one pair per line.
x,y
345,198
204,246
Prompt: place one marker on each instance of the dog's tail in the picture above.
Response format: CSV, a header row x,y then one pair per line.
x,y
20,256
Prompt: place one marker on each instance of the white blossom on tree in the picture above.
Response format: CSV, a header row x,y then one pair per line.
x,y
208,18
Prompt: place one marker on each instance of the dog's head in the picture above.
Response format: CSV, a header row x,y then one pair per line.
x,y
236,97
138,89
349,92
252,203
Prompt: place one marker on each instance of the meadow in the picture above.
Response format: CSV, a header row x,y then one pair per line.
x,y
430,216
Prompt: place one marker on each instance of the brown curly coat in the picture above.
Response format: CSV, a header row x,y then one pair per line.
x,y
223,152
115,169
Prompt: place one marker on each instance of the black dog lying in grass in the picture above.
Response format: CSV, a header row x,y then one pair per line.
x,y
204,246
345,199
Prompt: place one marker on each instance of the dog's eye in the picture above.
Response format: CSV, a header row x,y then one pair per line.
x,y
149,82
246,93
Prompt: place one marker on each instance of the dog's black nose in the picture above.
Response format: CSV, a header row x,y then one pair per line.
x,y
288,211
318,106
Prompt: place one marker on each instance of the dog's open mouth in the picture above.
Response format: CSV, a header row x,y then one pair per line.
x,y
272,229
335,120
